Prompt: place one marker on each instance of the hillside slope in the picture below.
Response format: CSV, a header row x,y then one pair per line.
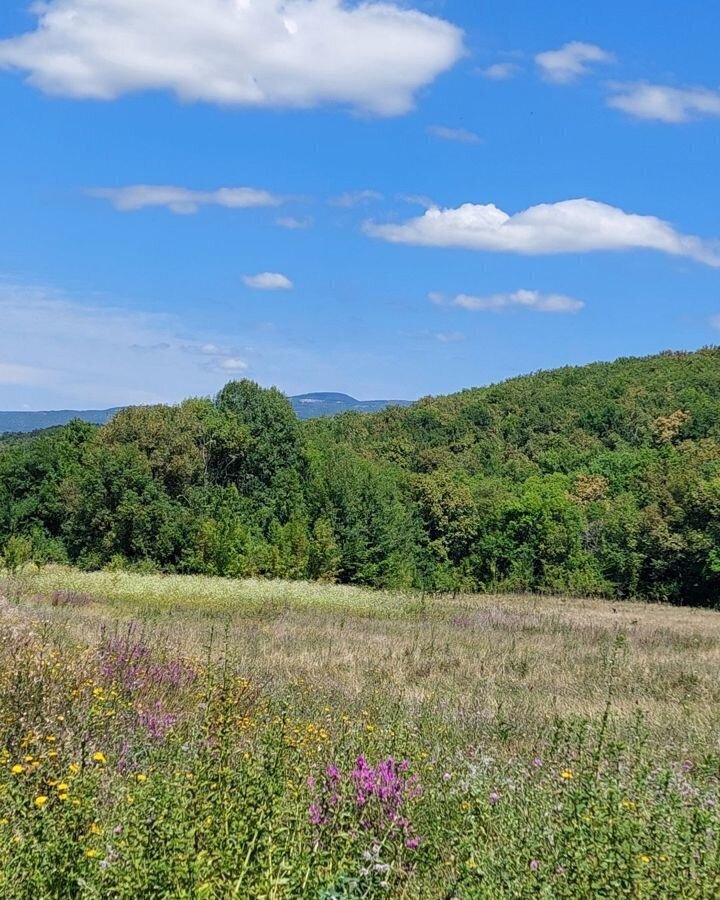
x,y
603,479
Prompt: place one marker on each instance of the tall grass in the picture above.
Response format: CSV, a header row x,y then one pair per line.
x,y
190,737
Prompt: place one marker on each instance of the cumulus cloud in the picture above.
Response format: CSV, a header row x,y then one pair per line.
x,y
268,281
372,56
571,226
665,104
233,364
500,71
180,200
461,135
522,299
571,61
355,198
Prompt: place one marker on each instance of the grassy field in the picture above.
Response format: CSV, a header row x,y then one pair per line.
x,y
166,736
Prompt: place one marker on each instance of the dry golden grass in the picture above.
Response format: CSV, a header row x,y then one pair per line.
x,y
483,661
170,736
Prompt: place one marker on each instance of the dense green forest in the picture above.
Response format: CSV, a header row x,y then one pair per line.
x,y
601,480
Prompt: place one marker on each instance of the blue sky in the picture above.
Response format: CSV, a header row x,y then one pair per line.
x,y
321,196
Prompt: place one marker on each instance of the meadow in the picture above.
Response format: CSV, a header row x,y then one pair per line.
x,y
198,737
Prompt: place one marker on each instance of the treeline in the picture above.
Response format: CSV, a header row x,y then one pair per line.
x,y
602,480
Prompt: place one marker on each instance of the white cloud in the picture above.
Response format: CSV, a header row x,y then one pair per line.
x,y
500,71
268,281
571,226
665,104
355,198
416,200
534,300
461,135
233,364
183,201
290,53
292,223
210,350
571,61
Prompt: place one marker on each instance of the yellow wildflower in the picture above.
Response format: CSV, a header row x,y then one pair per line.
x,y
567,775
95,828
74,768
63,788
645,859
141,777
99,758
17,770
91,854
40,802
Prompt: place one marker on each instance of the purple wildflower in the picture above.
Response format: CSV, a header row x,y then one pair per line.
x,y
156,722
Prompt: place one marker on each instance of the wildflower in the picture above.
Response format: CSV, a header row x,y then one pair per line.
x,y
63,788
534,865
91,854
315,815
447,776
141,777
95,828
74,768
17,770
494,797
537,763
567,775
412,843
99,758
645,859
40,802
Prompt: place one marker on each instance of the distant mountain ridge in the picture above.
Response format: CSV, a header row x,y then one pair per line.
x,y
311,406
306,406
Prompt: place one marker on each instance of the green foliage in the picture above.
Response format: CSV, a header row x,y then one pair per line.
x,y
18,553
600,480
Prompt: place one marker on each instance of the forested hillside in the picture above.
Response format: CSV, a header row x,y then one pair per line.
x,y
596,480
